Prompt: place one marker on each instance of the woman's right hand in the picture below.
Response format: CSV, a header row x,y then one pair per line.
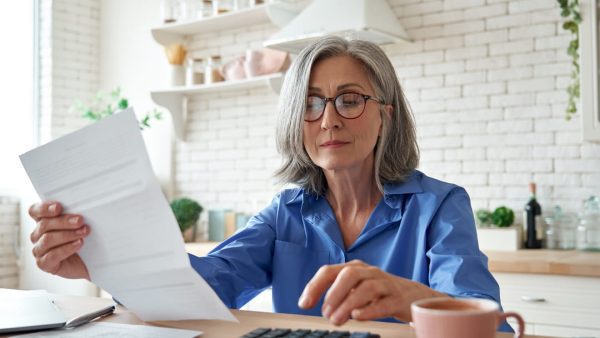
x,y
56,240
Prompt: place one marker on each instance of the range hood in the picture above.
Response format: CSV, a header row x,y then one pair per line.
x,y
371,20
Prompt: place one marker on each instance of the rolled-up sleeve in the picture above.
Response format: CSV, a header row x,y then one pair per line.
x,y
456,265
240,267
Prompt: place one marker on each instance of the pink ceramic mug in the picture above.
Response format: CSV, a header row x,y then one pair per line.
x,y
459,318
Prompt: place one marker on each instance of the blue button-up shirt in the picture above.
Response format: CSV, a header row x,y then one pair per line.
x,y
422,230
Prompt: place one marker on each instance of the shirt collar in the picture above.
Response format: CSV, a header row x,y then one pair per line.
x,y
412,185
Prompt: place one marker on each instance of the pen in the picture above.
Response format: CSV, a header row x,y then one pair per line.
x,y
88,317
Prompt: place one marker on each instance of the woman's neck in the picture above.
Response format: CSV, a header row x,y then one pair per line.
x,y
349,194
353,195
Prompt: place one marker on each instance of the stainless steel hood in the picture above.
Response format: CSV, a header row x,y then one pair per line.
x,y
371,20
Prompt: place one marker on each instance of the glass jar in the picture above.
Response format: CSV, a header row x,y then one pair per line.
x,y
212,73
206,8
561,230
222,6
167,11
195,72
240,4
588,231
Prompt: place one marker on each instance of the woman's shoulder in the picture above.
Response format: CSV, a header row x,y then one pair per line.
x,y
289,195
419,183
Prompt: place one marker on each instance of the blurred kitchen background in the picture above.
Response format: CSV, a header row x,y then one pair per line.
x,y
487,81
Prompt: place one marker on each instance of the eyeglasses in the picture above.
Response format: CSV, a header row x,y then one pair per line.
x,y
347,105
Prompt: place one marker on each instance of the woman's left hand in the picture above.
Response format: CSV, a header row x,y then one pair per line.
x,y
363,292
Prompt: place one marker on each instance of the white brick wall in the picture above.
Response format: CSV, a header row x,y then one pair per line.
x,y
9,221
69,46
486,80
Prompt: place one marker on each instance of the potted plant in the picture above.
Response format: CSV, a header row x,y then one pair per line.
x,y
495,230
187,212
103,105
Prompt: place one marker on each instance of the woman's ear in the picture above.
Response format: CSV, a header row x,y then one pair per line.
x,y
389,110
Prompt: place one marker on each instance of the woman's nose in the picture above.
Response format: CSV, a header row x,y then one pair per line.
x,y
331,119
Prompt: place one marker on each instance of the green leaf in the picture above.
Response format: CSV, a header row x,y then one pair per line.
x,y
123,104
101,106
116,93
571,108
503,217
484,217
568,25
90,115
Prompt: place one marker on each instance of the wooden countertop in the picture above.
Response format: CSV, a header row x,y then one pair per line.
x,y
553,262
248,321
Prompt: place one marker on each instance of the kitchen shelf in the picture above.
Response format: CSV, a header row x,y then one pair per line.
x,y
176,32
279,13
175,99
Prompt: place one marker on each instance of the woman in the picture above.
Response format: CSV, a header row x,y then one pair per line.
x,y
363,235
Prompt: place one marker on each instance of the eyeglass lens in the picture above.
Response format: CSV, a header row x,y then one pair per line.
x,y
348,105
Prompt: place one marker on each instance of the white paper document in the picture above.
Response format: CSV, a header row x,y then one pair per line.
x,y
135,250
114,330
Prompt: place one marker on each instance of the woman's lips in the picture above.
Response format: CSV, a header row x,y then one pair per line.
x,y
333,144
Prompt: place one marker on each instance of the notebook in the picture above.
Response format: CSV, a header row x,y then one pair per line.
x,y
27,311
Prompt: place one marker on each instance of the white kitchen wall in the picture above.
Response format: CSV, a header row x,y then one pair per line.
x,y
130,59
9,220
486,80
69,44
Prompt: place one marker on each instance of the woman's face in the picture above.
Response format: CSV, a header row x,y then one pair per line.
x,y
333,142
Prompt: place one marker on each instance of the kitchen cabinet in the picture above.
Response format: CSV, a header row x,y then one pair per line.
x,y
557,305
175,99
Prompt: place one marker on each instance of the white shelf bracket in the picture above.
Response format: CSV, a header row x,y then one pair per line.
x,y
177,105
275,83
281,13
166,38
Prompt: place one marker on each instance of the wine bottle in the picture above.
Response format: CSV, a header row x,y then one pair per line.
x,y
532,221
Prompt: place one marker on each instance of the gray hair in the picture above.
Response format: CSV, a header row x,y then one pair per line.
x,y
396,151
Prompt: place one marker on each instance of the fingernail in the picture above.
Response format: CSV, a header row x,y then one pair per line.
x,y
82,231
52,208
336,319
77,242
73,220
303,302
327,311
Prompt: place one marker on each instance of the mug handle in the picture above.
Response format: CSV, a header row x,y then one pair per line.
x,y
520,321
